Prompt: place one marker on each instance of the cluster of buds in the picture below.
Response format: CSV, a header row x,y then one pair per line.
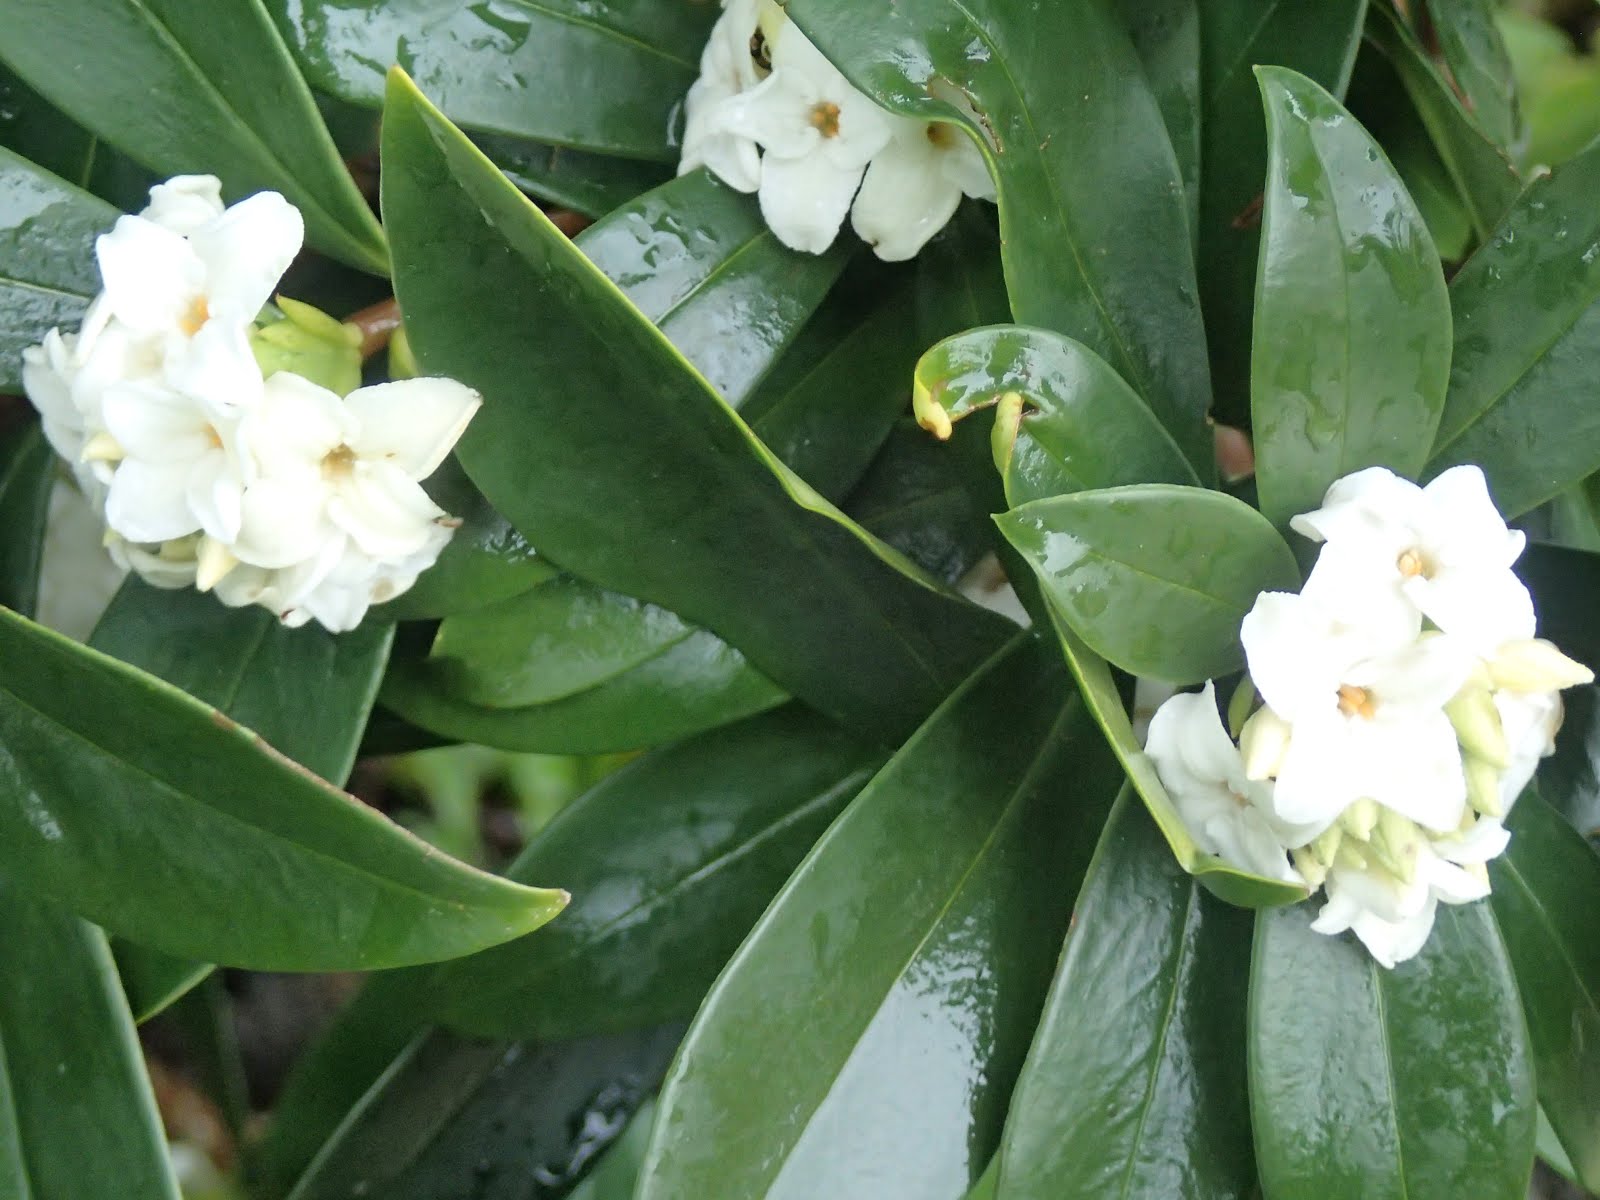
x,y
1404,704
225,441
769,114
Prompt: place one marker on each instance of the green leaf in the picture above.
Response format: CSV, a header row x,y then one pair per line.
x,y
1382,1084
1094,228
47,268
670,861
602,78
1318,40
27,472
1481,170
1099,691
159,818
1064,420
695,684
154,981
716,529
1352,325
1135,1085
892,984
1153,577
1527,316
457,1117
190,86
1479,64
76,1114
1166,36
1546,895
591,184
35,130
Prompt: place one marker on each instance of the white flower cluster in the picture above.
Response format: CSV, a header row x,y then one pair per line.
x,y
1406,706
769,114
267,488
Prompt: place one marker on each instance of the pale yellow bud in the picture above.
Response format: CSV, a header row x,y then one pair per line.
x,y
212,564
1360,819
1398,843
1477,724
102,447
1535,665
1325,846
1483,786
1311,870
1263,742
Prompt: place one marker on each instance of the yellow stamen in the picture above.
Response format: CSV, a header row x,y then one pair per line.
x,y
1356,702
1411,565
102,447
198,314
825,118
339,461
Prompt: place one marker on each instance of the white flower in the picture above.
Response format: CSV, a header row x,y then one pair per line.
x,y
1530,721
728,67
164,284
1444,547
48,373
184,203
1226,814
818,134
1365,710
915,183
330,469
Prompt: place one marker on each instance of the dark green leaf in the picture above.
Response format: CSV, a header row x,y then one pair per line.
x,y
76,1115
1352,325
1094,228
489,1120
695,684
47,268
592,184
659,491
670,861
1135,1085
1065,421
37,131
153,981
1153,577
1383,1085
1546,896
1318,40
190,86
1480,67
161,819
1166,36
1482,172
27,472
891,986
603,78
1527,320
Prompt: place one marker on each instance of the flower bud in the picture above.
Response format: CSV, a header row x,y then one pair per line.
x,y
1360,819
213,563
1397,843
1263,742
1536,665
1311,870
1483,786
1239,705
1325,846
1477,724
308,342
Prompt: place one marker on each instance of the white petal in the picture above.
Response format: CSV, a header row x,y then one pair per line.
x,y
216,496
411,423
218,366
295,426
1483,607
156,424
386,513
1360,506
1413,766
804,201
1486,840
149,502
1393,942
963,165
1421,678
1319,777
152,276
774,114
185,202
905,198
864,128
246,251
1463,525
1293,662
283,520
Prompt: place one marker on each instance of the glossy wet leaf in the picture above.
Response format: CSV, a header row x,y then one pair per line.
x,y
47,270
1064,420
717,530
1352,324
1094,229
1527,319
77,1117
1479,65
1166,36
693,685
1153,577
606,78
27,472
892,984
1481,170
1546,895
1135,1084
591,184
155,816
1318,40
1098,687
463,1117
1388,1085
36,130
188,86
670,861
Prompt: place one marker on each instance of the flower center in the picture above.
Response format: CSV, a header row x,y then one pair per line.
x,y
942,136
825,118
1411,564
760,51
213,438
1356,701
198,314
338,462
